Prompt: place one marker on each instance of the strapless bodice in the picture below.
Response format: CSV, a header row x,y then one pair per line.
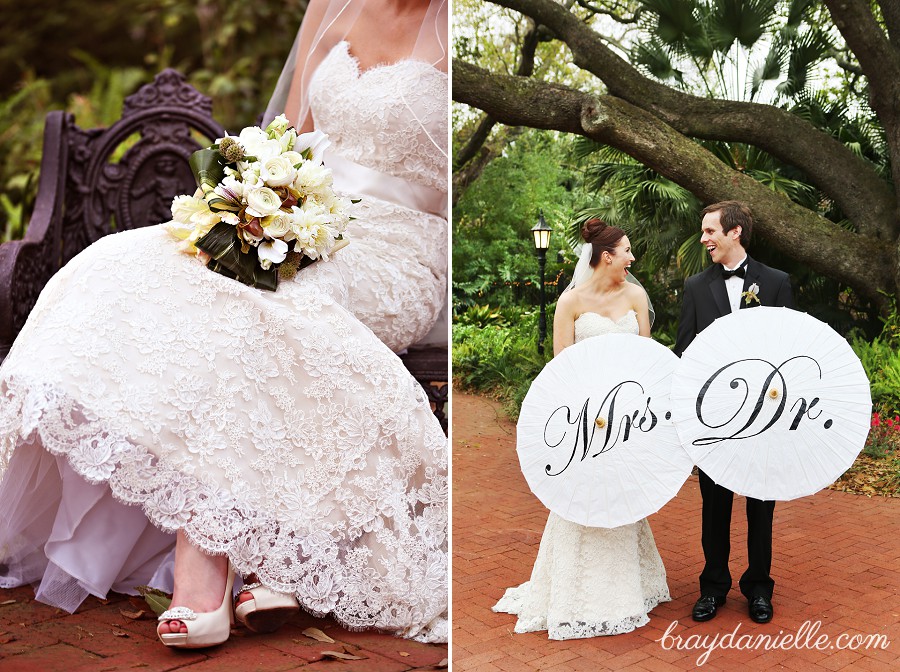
x,y
391,118
595,324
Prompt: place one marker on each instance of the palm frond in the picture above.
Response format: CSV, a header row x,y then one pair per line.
x,y
744,21
691,256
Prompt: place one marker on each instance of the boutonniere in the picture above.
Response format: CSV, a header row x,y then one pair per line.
x,y
751,294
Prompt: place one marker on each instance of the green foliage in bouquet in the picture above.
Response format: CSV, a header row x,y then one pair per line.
x,y
263,198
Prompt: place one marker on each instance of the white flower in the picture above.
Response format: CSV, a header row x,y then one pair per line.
x,y
191,210
312,178
278,172
278,125
271,252
294,157
230,188
315,241
305,218
229,218
754,288
250,176
277,225
316,142
257,143
262,202
287,140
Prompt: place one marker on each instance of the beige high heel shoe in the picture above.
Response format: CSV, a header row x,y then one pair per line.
x,y
267,610
204,629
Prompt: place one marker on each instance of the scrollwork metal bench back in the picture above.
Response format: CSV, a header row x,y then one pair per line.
x,y
94,182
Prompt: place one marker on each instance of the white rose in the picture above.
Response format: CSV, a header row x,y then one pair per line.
x,y
277,225
278,172
316,142
262,202
271,252
294,157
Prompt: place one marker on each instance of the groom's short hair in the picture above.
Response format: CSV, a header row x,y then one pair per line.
x,y
732,214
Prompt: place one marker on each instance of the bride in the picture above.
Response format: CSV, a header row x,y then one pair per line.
x,y
150,404
591,581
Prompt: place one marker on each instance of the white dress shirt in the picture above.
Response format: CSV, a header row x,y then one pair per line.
x,y
734,286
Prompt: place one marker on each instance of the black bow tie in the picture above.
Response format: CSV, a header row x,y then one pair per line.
x,y
740,272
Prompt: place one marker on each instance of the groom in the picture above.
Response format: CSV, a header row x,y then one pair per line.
x,y
717,291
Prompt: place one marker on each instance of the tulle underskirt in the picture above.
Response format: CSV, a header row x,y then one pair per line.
x,y
75,539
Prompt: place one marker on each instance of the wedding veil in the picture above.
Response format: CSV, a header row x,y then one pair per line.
x,y
325,24
583,272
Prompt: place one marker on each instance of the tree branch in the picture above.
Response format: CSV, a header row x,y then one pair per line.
x,y
880,62
618,18
852,258
473,146
890,10
854,185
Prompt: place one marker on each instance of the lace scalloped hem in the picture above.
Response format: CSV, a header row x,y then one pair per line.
x,y
513,601
338,578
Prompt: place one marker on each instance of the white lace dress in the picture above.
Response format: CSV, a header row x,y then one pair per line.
x,y
590,581
277,427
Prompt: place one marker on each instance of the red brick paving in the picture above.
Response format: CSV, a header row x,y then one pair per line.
x,y
836,561
98,638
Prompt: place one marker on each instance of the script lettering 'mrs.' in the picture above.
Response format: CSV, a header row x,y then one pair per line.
x,y
578,436
760,391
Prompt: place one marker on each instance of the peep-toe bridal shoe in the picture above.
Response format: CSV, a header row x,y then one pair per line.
x,y
266,610
204,629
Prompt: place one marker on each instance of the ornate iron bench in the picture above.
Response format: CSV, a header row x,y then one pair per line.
x,y
90,187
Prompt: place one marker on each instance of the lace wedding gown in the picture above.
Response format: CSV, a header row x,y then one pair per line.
x,y
590,581
276,427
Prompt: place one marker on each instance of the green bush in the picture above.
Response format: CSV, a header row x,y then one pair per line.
x,y
499,361
881,361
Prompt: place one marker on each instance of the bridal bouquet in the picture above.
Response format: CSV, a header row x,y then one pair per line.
x,y
262,196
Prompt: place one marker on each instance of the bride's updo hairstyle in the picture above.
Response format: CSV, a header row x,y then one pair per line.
x,y
602,237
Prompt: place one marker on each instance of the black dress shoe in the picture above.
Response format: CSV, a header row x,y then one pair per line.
x,y
761,609
706,606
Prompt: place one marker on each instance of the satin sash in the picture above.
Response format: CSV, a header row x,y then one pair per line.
x,y
358,180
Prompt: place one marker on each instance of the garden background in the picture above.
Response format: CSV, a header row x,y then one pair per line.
x,y
86,57
643,111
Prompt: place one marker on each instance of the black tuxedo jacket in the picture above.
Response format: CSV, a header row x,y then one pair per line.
x,y
705,298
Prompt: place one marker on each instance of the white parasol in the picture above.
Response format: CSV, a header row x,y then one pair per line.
x,y
771,403
595,437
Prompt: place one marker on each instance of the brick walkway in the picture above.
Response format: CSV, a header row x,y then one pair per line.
x,y
836,561
98,638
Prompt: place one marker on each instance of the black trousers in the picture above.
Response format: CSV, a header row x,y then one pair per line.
x,y
716,579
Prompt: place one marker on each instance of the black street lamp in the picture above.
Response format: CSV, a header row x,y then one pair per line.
x,y
541,233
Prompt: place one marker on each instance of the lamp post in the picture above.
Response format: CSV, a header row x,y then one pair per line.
x,y
541,233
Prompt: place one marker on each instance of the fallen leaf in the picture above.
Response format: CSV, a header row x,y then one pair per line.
x,y
318,635
3,604
156,599
442,664
132,615
342,655
7,637
404,654
120,633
